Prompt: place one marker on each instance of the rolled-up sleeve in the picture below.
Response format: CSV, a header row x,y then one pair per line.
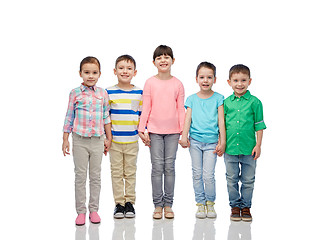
x,y
259,123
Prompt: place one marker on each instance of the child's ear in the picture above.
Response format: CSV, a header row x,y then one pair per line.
x,y
115,71
250,81
80,74
228,81
214,80
173,60
135,72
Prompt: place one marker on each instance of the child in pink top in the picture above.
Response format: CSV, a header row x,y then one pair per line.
x,y
160,127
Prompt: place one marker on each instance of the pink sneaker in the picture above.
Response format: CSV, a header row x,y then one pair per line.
x,y
80,220
94,217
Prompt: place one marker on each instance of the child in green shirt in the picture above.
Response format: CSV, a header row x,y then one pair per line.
x,y
244,130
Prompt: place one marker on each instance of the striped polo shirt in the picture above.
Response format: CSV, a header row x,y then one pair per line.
x,y
125,111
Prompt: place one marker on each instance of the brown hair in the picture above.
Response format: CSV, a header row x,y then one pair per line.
x,y
239,68
206,65
163,50
126,58
89,59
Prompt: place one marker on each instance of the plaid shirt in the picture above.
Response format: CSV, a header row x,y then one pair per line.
x,y
88,111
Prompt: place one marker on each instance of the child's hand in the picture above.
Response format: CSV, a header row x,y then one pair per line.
x,y
256,152
65,147
220,149
107,146
145,138
185,143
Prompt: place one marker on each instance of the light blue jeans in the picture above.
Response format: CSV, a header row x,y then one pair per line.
x,y
240,168
163,154
203,169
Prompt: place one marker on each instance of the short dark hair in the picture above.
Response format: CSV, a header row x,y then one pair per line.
x,y
89,59
206,65
163,50
126,58
239,68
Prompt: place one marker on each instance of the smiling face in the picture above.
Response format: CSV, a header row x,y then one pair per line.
x,y
239,83
125,71
90,73
163,63
205,79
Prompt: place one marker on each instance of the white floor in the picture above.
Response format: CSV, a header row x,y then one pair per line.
x,y
40,204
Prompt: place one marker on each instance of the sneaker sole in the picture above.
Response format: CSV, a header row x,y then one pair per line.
x,y
130,215
236,219
119,216
247,219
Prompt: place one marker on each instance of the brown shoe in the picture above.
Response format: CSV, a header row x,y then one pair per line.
x,y
246,215
235,215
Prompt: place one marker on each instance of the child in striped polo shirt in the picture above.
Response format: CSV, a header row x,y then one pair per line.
x,y
125,102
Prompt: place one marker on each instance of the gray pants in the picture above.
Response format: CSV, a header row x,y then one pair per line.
x,y
87,153
163,154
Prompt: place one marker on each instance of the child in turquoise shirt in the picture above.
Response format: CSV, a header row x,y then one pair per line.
x,y
204,122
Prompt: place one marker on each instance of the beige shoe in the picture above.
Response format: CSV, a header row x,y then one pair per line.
x,y
211,213
169,214
157,213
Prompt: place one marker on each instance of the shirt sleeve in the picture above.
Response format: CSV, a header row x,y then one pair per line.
x,y
188,102
140,105
106,109
70,114
221,100
259,123
180,106
146,108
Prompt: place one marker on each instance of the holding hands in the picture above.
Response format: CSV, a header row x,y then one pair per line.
x,y
145,138
184,142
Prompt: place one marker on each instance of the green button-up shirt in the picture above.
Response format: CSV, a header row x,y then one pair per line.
x,y
243,117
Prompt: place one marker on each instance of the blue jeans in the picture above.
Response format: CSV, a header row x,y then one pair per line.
x,y
240,168
203,169
163,154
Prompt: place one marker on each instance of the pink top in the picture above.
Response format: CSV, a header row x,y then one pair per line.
x,y
163,106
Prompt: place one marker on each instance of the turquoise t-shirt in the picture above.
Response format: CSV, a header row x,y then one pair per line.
x,y
204,124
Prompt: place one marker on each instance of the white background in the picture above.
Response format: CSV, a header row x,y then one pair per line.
x,y
283,43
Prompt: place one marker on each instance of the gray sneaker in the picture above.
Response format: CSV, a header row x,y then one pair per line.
x,y
211,213
200,213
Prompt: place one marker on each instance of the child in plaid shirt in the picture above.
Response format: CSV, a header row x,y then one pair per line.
x,y
88,118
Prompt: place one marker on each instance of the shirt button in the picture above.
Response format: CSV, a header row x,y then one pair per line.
x,y
238,110
237,144
238,121
237,133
